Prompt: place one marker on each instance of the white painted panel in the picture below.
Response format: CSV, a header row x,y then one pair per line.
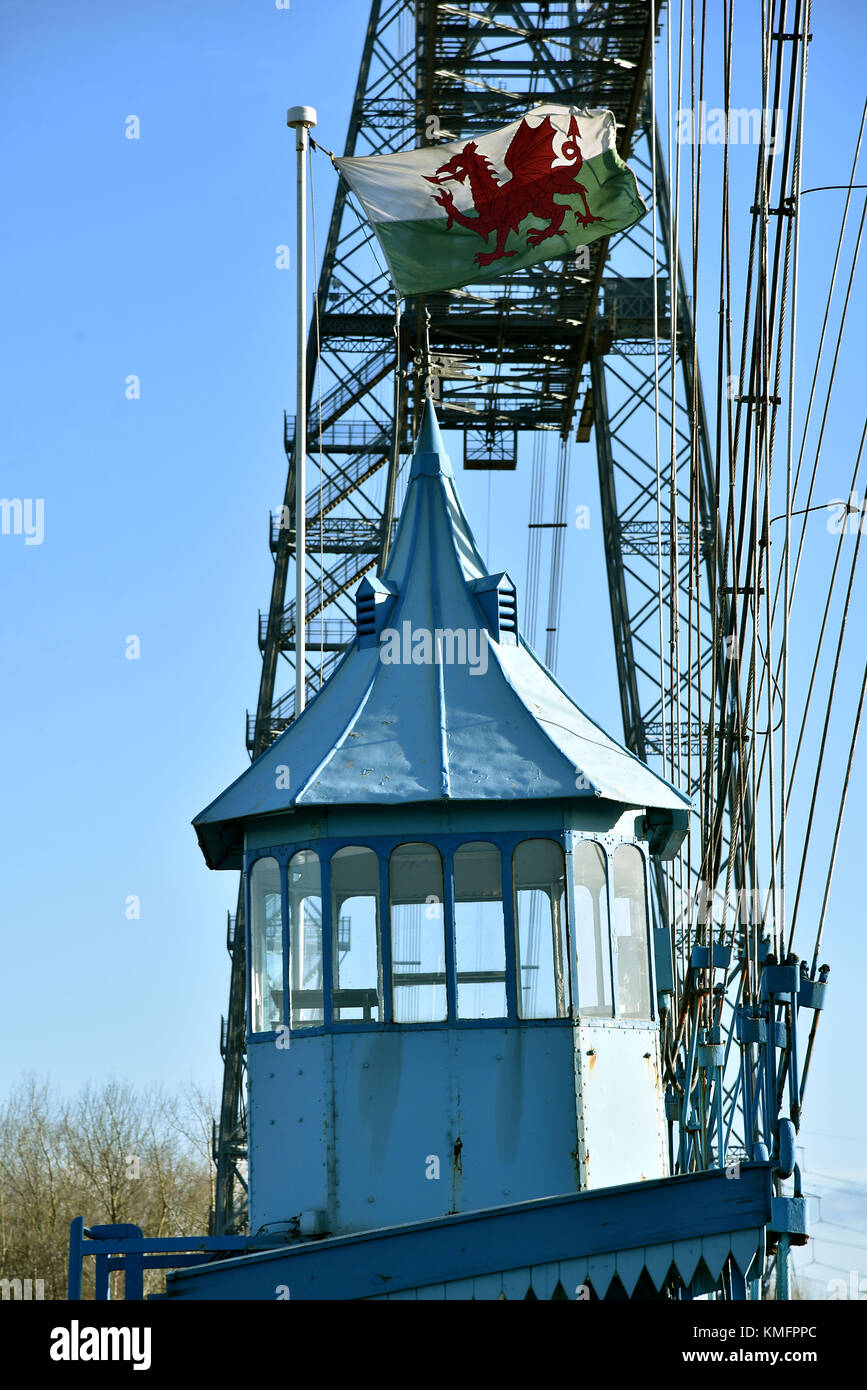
x,y
621,1117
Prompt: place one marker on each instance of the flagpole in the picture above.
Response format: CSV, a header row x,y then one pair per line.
x,y
301,119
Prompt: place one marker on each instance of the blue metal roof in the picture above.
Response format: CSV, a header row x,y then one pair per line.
x,y
496,726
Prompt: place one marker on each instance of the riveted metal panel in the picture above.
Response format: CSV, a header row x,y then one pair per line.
x,y
392,1099
475,1100
290,1124
380,1127
621,1122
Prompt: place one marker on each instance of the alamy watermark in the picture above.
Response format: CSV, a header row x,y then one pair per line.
x,y
25,1289
23,516
749,906
856,1289
77,1343
851,515
736,126
441,646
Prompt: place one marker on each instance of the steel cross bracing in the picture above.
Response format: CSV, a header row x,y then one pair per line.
x,y
433,72
511,356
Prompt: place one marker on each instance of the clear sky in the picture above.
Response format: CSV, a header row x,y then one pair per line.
x,y
156,257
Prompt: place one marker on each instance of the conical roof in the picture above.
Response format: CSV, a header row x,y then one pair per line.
x,y
394,724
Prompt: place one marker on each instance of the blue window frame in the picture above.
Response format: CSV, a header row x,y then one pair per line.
x,y
266,945
590,926
480,931
466,920
304,893
630,934
356,935
417,922
539,885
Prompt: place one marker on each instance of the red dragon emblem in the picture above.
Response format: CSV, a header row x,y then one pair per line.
x,y
537,176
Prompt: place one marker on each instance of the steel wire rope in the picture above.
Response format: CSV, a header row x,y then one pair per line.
x,y
756,435
761,358
826,725
820,643
791,778
530,618
534,539
790,434
556,584
764,553
826,316
694,624
724,353
843,795
653,135
733,549
674,539
828,394
765,309
730,693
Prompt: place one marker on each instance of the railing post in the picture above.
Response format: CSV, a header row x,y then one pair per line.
x,y
102,1287
133,1287
73,1275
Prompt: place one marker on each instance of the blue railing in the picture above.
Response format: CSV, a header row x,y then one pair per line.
x,y
124,1248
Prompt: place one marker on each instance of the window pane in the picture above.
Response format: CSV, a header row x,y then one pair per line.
x,y
630,932
539,882
355,932
266,946
480,936
417,934
592,939
305,939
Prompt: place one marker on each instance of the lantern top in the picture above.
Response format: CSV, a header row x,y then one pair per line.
x,y
437,699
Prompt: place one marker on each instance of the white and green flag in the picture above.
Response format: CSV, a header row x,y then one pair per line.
x,y
471,210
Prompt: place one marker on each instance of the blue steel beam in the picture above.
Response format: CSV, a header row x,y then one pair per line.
x,y
399,1258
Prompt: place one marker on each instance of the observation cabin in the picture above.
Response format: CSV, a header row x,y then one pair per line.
x,y
453,991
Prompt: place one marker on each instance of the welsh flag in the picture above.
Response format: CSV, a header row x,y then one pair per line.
x,y
456,214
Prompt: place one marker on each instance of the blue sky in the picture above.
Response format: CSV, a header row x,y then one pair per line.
x,y
155,257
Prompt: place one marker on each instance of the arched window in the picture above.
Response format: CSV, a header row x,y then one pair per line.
x,y
417,934
539,876
480,937
355,935
592,935
305,940
266,946
630,934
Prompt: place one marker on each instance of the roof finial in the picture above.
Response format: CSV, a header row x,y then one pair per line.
x,y
426,362
430,441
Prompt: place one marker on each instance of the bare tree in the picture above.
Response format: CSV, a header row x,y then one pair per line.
x,y
112,1154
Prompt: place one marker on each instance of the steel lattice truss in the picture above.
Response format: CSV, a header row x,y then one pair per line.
x,y
555,346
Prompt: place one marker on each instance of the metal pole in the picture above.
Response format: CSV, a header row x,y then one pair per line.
x,y
394,466
301,119
783,1268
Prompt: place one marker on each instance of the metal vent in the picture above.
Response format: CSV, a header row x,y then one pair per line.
x,y
374,601
508,611
497,597
365,615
